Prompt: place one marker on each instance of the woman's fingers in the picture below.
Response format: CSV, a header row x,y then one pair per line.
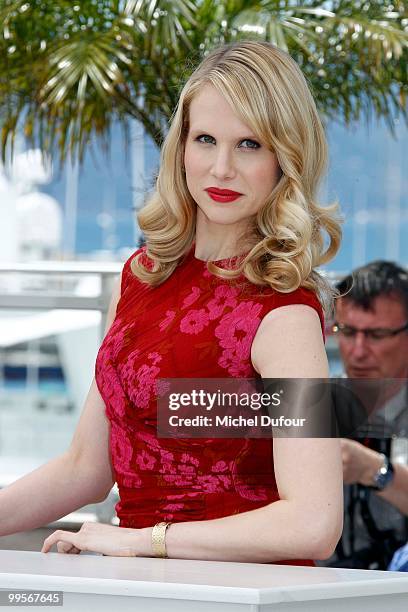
x,y
67,548
65,541
96,538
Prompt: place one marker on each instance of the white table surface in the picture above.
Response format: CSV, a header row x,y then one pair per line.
x,y
259,586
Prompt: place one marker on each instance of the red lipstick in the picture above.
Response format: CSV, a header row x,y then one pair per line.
x,y
222,195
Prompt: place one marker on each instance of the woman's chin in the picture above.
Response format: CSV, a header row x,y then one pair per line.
x,y
221,215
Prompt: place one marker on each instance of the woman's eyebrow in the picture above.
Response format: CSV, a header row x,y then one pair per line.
x,y
242,137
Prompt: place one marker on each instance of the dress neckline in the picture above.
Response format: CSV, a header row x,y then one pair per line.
x,y
219,262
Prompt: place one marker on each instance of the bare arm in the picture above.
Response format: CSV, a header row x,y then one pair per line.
x,y
307,521
79,476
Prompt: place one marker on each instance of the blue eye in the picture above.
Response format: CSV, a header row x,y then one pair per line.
x,y
247,143
204,136
252,143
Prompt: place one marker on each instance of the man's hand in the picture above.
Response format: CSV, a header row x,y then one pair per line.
x,y
360,464
97,537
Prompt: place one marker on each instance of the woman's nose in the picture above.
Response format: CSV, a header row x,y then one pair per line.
x,y
223,164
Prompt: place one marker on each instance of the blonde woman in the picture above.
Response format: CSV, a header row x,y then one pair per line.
x,y
226,286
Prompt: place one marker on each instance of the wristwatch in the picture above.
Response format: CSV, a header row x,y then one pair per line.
x,y
384,475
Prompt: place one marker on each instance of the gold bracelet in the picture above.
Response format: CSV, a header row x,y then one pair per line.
x,y
159,540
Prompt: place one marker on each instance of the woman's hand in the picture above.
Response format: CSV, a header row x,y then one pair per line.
x,y
97,537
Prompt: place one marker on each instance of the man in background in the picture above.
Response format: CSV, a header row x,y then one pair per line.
x,y
372,329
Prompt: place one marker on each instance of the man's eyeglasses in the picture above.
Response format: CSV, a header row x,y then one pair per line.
x,y
370,334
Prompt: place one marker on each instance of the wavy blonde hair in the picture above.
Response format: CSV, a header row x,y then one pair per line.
x,y
286,238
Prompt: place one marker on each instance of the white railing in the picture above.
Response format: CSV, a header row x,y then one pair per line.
x,y
49,286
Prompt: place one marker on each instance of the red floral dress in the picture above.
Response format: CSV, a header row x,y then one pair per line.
x,y
194,325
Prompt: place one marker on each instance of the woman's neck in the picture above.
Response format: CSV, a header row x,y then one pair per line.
x,y
214,242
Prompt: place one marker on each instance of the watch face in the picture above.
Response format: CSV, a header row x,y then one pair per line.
x,y
384,476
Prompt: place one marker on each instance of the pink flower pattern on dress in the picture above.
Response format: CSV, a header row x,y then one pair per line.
x,y
194,321
145,461
113,342
173,507
186,458
108,382
185,472
192,297
126,370
235,366
167,464
112,392
154,357
210,483
225,481
224,297
236,331
141,382
122,453
220,466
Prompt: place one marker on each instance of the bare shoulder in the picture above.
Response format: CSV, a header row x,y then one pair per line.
x,y
289,343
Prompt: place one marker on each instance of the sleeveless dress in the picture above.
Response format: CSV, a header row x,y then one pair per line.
x,y
194,325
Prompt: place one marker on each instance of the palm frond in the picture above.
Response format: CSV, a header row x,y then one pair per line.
x,y
68,70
